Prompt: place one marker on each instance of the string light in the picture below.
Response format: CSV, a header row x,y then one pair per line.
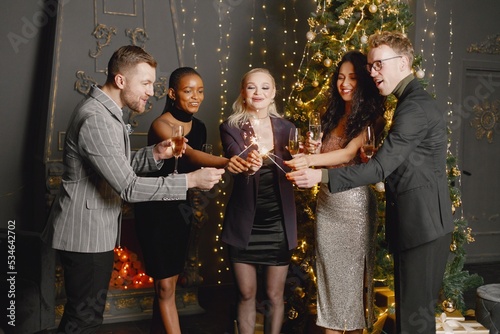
x,y
264,34
288,52
192,24
450,60
429,32
128,272
252,37
193,43
283,50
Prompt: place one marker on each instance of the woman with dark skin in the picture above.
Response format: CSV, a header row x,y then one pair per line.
x,y
162,227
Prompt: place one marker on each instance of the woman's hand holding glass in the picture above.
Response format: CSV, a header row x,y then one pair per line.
x,y
313,145
314,134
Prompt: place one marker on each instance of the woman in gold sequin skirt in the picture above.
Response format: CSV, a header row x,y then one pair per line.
x,y
345,222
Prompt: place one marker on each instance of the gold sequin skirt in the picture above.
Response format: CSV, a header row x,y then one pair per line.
x,y
345,242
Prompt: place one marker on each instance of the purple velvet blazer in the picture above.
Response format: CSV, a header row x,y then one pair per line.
x,y
240,210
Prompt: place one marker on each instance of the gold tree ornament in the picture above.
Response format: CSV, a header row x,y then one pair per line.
x,y
318,57
420,74
298,86
293,314
453,246
310,35
448,305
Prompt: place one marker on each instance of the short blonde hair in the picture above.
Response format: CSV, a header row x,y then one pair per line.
x,y
396,41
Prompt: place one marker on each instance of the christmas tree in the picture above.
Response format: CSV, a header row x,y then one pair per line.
x,y
335,28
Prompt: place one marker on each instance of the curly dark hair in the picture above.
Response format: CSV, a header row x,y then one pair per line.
x,y
367,104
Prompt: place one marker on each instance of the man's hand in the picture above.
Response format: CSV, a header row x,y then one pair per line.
x,y
237,165
305,178
204,178
299,161
164,150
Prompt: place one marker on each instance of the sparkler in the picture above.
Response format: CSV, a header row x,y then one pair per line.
x,y
274,155
266,152
263,151
253,141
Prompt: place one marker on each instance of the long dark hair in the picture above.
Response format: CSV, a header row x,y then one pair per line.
x,y
367,104
173,82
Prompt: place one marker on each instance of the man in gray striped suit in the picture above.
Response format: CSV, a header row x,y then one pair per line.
x,y
100,173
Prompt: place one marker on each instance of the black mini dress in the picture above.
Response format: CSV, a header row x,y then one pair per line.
x,y
163,227
268,243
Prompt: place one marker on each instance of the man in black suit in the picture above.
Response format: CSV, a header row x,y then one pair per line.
x,y
412,160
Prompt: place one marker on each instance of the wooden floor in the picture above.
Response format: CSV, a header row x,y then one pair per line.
x,y
219,305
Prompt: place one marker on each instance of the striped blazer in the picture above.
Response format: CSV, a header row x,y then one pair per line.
x,y
99,173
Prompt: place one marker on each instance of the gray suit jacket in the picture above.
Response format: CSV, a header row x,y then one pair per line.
x,y
100,172
412,160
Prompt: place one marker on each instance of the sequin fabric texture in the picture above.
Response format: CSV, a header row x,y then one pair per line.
x,y
345,241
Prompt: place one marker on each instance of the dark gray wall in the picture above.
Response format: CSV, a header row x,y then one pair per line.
x,y
461,79
26,51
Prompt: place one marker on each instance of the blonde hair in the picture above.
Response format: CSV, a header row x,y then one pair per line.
x,y
239,115
396,41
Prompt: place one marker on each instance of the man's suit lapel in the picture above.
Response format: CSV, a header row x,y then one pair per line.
x,y
116,112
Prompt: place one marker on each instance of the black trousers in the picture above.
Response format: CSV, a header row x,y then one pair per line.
x,y
86,281
418,277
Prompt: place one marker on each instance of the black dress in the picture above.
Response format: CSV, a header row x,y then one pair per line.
x,y
163,228
268,243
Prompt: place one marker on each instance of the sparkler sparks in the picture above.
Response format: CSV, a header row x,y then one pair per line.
x,y
263,151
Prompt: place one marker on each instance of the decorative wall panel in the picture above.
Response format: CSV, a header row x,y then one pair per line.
x,y
87,34
480,158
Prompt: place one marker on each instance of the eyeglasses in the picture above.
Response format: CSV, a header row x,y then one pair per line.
x,y
377,64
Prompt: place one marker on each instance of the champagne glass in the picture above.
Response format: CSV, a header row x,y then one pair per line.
x,y
294,141
207,148
315,126
177,143
369,141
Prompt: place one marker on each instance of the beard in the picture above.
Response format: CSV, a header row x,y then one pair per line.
x,y
133,102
